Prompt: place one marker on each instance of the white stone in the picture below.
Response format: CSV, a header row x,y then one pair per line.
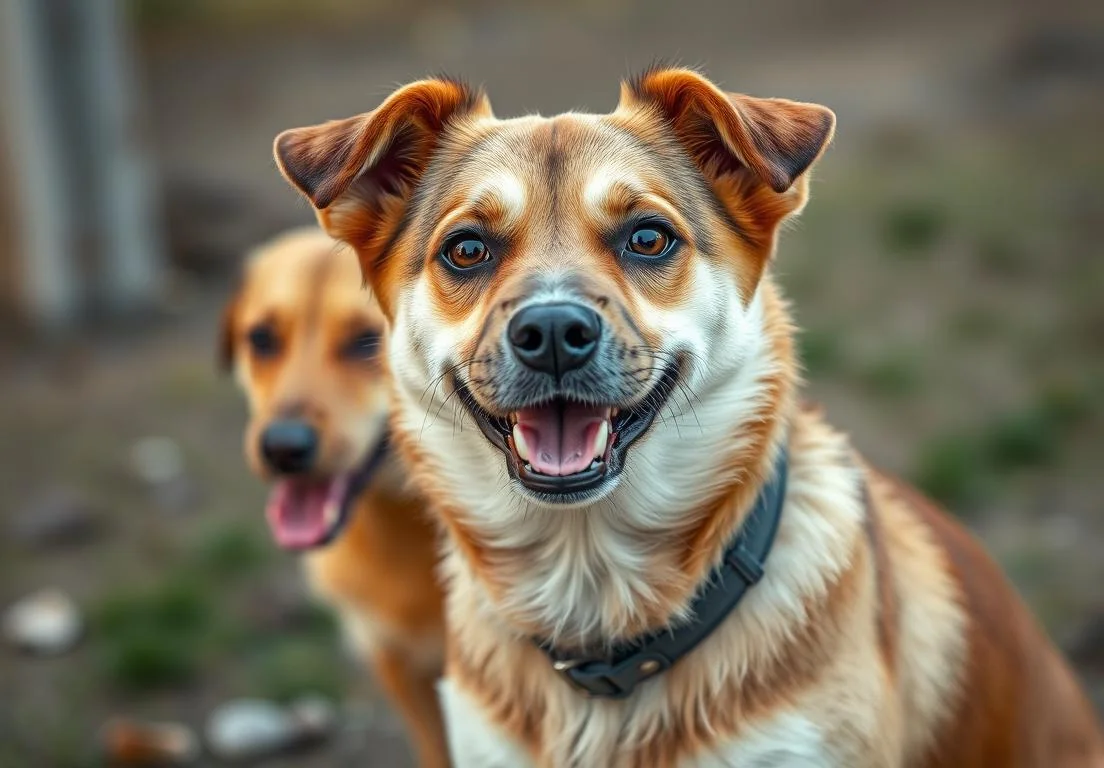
x,y
249,728
47,622
156,460
315,716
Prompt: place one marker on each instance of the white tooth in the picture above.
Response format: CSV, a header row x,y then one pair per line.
x,y
519,444
601,440
331,512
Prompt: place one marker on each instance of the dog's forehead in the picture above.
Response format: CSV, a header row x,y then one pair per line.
x,y
530,161
302,274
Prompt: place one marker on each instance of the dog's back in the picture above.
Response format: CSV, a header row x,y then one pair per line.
x,y
1017,701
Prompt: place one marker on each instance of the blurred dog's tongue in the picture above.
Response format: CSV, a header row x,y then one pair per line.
x,y
300,512
561,437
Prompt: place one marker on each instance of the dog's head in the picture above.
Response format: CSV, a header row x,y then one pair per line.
x,y
303,340
565,280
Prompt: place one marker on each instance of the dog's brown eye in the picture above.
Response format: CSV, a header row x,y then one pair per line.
x,y
263,341
650,240
466,251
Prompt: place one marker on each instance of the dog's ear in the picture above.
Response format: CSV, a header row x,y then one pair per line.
x,y
738,142
227,333
359,172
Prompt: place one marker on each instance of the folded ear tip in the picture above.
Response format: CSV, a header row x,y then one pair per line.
x,y
293,153
827,123
282,150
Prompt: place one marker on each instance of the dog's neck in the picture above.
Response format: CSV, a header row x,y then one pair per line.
x,y
630,563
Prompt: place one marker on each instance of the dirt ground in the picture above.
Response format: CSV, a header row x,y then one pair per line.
x,y
948,273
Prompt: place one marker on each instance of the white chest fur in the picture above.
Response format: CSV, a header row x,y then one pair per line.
x,y
473,742
786,740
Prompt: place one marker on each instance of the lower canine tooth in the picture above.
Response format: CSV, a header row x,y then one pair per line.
x,y
519,444
601,440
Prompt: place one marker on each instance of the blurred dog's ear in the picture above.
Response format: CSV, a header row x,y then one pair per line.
x,y
360,172
228,333
738,142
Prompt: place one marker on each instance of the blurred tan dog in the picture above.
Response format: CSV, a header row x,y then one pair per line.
x,y
657,556
304,341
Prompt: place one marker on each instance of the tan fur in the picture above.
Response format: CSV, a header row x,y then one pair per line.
x,y
379,573
880,635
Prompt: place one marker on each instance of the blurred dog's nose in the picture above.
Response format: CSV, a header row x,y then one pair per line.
x,y
554,338
289,446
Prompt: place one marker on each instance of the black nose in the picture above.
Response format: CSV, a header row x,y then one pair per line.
x,y
289,446
554,338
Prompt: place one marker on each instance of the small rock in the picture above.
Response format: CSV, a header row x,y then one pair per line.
x,y
315,716
245,729
46,622
130,743
59,517
156,460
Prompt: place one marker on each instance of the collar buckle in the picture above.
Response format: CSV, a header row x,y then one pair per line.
x,y
598,679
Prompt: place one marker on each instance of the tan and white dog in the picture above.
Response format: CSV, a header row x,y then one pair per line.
x,y
594,380
304,342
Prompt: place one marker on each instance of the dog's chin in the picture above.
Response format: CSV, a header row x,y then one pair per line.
x,y
565,451
310,512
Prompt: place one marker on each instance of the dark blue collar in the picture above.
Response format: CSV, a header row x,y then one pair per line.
x,y
628,664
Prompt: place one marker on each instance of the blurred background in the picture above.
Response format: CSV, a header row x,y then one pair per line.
x,y
948,273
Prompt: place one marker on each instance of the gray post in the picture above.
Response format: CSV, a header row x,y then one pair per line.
x,y
44,221
85,203
130,249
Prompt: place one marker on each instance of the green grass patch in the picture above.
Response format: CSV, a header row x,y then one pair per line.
x,y
231,550
153,637
958,469
820,352
912,227
952,469
894,375
1028,438
294,666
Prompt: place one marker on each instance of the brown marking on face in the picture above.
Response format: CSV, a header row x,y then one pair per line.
x,y
302,292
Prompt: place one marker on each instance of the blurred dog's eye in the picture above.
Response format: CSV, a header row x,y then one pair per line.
x,y
465,251
650,240
364,346
263,341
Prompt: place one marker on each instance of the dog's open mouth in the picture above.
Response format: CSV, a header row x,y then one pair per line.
x,y
309,512
563,447
306,512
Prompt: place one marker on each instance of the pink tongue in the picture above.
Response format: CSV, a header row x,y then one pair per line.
x,y
561,438
296,510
